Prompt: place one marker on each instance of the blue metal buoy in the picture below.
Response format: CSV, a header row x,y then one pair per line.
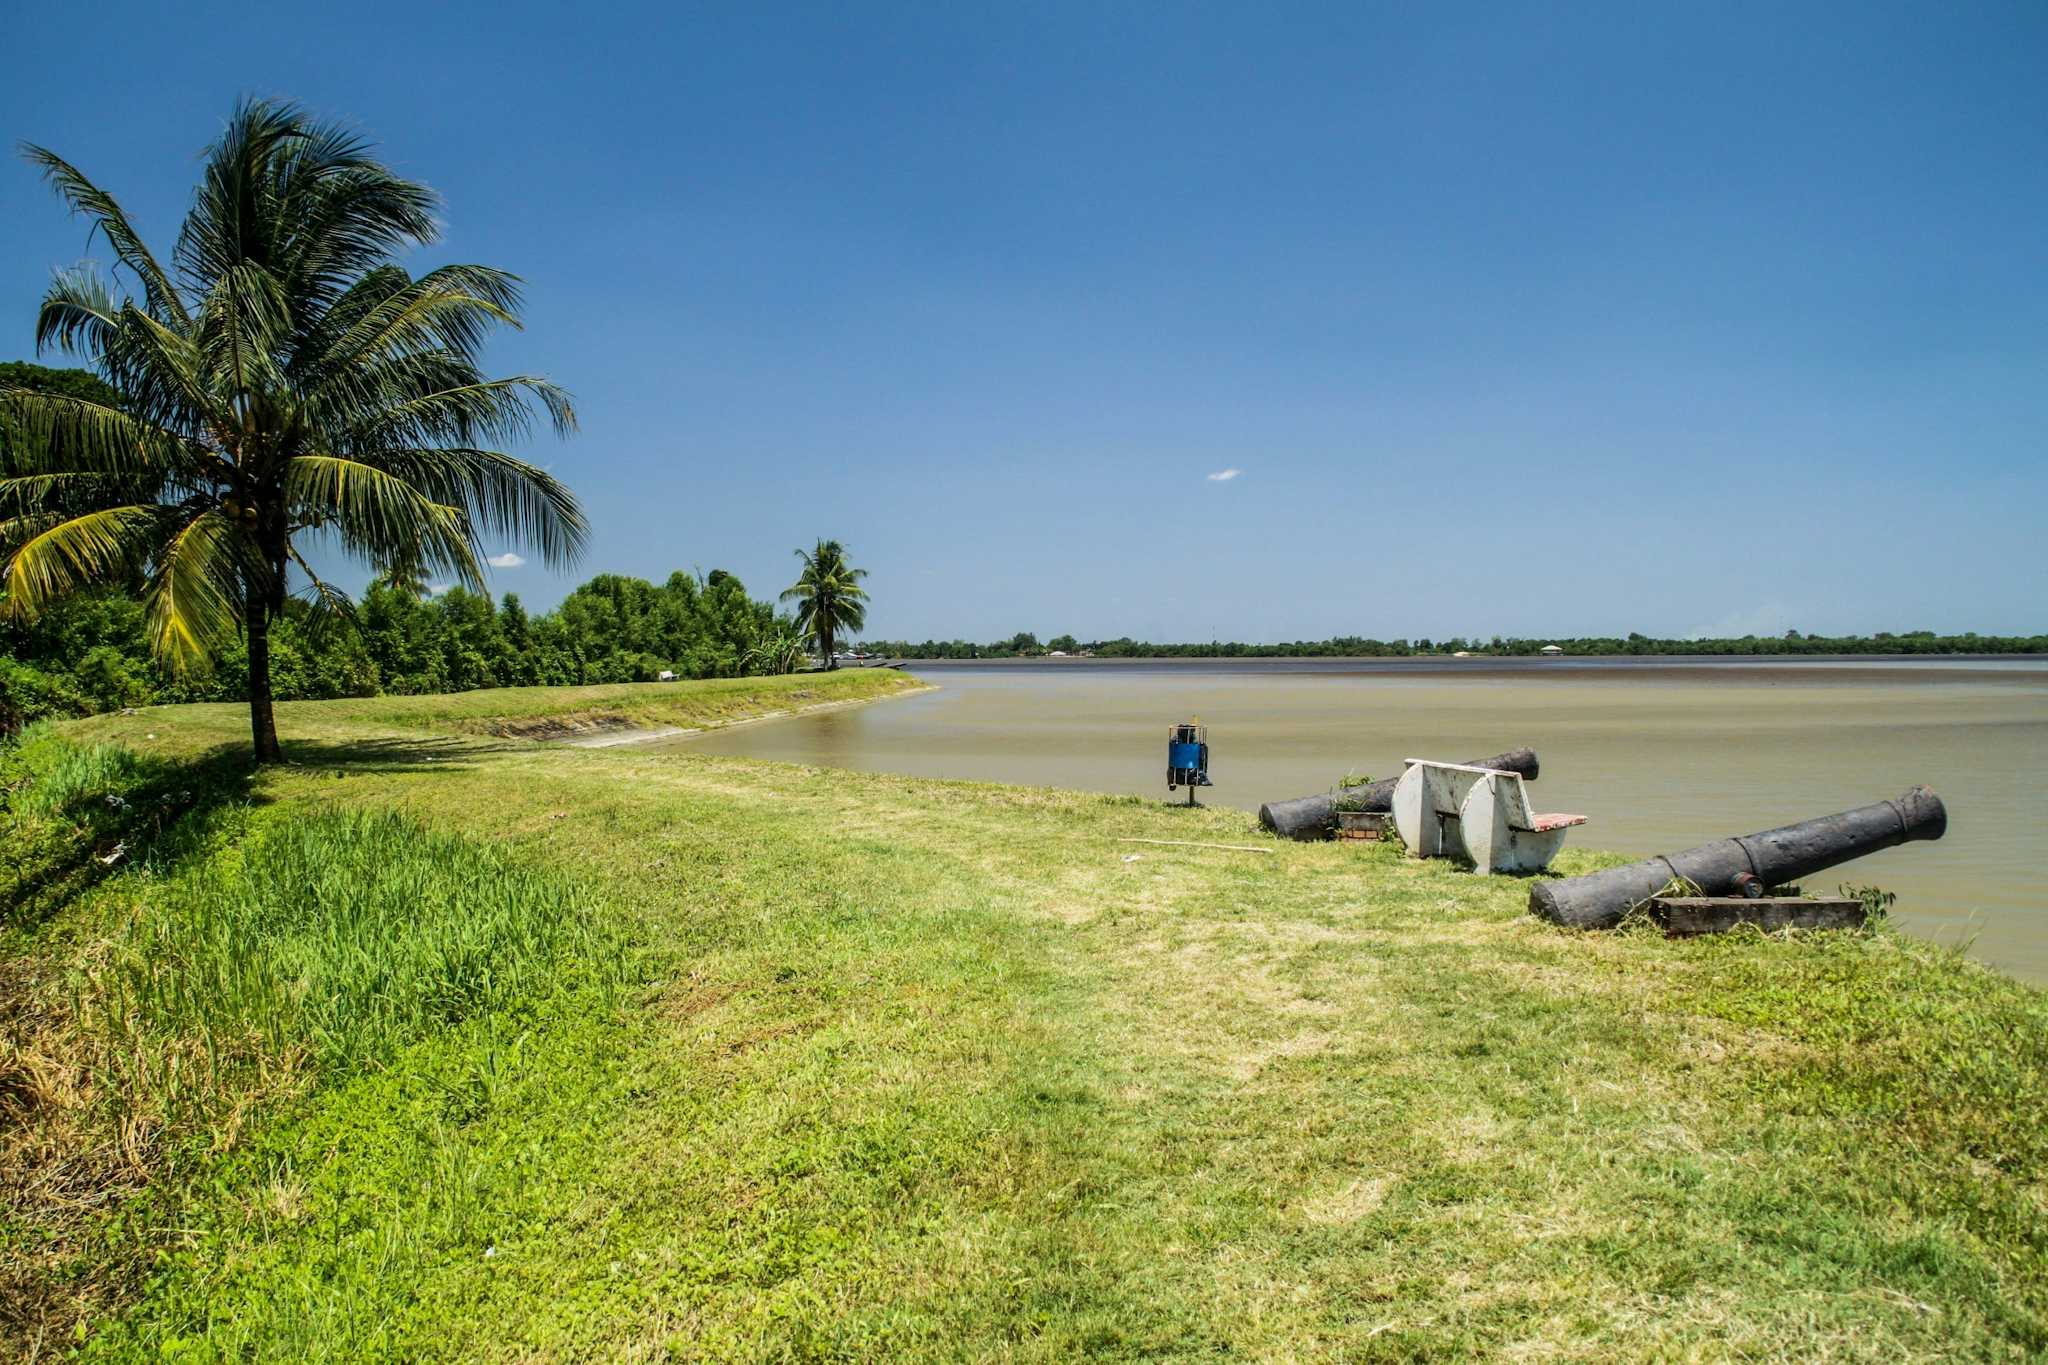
x,y
1187,758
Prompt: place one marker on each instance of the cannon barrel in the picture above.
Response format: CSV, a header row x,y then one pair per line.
x,y
1313,817
1600,900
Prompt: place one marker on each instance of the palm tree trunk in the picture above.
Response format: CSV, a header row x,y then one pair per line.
x,y
825,643
266,601
262,715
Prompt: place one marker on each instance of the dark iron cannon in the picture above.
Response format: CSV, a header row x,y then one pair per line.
x,y
1314,817
1748,865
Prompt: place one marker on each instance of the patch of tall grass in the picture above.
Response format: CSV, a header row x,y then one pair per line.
x,y
64,775
326,943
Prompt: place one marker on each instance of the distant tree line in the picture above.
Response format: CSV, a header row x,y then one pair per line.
x,y
91,652
1025,644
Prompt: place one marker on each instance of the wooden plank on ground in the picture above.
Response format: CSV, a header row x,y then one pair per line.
x,y
1190,843
1683,916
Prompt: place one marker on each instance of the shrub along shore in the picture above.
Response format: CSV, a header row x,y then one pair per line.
x,y
442,1042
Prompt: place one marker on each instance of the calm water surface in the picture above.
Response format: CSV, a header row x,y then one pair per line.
x,y
1661,755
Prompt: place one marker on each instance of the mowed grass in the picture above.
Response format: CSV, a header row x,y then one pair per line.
x,y
700,1058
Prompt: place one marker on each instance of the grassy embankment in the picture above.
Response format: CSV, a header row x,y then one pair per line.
x,y
549,712
446,1046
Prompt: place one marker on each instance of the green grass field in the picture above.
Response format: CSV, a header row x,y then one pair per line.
x,y
445,1044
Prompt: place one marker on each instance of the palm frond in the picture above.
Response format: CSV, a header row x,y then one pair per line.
x,y
493,410
192,599
327,601
229,223
302,198
448,312
50,433
111,222
160,374
244,322
506,497
382,516
50,555
79,313
26,495
344,213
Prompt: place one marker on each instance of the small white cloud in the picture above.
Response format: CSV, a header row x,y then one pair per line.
x,y
1224,475
508,560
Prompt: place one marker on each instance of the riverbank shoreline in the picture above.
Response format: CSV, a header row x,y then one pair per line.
x,y
611,736
1071,660
1820,669
793,1061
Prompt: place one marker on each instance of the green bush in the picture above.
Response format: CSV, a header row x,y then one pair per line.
x,y
110,679
28,694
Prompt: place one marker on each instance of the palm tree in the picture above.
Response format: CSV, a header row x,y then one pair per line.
x,y
829,597
282,380
408,578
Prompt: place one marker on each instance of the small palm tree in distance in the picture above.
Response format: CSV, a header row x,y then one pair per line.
x,y
830,602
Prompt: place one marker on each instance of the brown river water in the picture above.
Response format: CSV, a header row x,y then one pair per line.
x,y
1659,754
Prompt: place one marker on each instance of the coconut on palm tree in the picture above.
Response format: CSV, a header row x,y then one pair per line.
x,y
282,381
830,601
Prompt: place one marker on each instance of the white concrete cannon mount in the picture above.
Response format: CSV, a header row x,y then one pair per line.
x,y
1478,815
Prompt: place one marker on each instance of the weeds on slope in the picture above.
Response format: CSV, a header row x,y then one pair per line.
x,y
241,958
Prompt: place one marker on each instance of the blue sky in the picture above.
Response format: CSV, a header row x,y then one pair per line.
x,y
1520,319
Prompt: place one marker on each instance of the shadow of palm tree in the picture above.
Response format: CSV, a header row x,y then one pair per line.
x,y
394,753
130,810
146,808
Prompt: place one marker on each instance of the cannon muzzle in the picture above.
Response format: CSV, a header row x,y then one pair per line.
x,y
1314,817
1726,867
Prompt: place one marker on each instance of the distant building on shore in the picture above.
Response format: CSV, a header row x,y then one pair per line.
x,y
1551,650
